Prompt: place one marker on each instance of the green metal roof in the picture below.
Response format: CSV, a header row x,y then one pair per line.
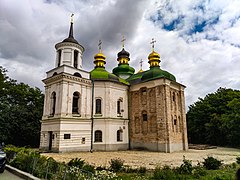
x,y
99,73
123,69
151,74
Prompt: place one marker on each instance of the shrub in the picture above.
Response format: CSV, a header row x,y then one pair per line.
x,y
88,168
211,163
238,159
77,162
165,173
186,167
199,171
142,170
116,164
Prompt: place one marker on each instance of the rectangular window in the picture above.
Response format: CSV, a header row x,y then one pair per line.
x,y
67,136
83,140
145,117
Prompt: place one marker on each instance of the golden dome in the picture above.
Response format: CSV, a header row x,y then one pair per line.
x,y
100,56
140,71
153,56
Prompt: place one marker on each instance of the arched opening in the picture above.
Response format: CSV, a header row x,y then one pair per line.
x,y
59,57
77,74
75,103
144,116
75,63
119,106
119,135
54,74
53,103
98,106
98,136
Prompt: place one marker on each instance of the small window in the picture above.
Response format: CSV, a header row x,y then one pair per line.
x,y
175,122
67,136
173,97
144,91
53,104
75,103
77,74
59,57
83,140
75,64
144,116
98,136
119,135
98,106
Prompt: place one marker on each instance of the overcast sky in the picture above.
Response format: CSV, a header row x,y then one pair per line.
x,y
198,40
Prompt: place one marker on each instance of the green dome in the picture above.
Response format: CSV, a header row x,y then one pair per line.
x,y
100,73
155,73
123,69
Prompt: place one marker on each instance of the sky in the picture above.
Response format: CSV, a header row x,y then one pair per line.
x,y
198,41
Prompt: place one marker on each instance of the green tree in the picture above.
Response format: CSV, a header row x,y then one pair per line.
x,y
21,108
215,119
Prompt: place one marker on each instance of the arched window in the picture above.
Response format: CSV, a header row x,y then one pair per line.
x,y
75,64
75,103
98,136
119,135
144,116
54,74
119,106
98,106
59,57
53,103
77,74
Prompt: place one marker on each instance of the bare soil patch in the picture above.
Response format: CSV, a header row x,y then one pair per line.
x,y
149,159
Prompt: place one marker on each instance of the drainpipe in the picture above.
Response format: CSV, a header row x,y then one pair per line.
x,y
129,101
91,150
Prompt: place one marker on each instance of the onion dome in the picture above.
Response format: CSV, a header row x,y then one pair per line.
x,y
154,59
99,60
155,72
99,72
123,70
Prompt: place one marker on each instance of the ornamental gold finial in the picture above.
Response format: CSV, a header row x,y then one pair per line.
x,y
100,46
72,17
123,40
152,42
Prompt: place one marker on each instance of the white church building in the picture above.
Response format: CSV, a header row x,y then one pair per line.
x,y
95,111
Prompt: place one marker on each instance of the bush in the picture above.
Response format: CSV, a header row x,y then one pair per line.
x,y
211,163
88,168
199,171
165,173
116,164
186,167
238,159
142,170
76,162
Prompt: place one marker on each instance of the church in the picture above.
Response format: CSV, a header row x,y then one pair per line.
x,y
111,111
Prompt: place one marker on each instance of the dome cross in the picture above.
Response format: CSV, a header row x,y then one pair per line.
x,y
152,42
123,40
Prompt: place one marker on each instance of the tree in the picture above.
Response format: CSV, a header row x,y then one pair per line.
x,y
215,119
21,108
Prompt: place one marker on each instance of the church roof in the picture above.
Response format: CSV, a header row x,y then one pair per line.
x,y
99,73
123,69
70,37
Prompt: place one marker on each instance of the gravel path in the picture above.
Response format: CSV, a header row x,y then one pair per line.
x,y
149,159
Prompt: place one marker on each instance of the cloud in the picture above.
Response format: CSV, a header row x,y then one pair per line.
x,y
198,40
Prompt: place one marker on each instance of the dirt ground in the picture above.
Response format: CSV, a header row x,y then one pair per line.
x,y
149,159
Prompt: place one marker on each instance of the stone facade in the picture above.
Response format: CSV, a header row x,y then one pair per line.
x,y
157,118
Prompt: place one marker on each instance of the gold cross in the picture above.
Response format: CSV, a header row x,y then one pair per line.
x,y
72,17
152,42
123,40
100,46
141,63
